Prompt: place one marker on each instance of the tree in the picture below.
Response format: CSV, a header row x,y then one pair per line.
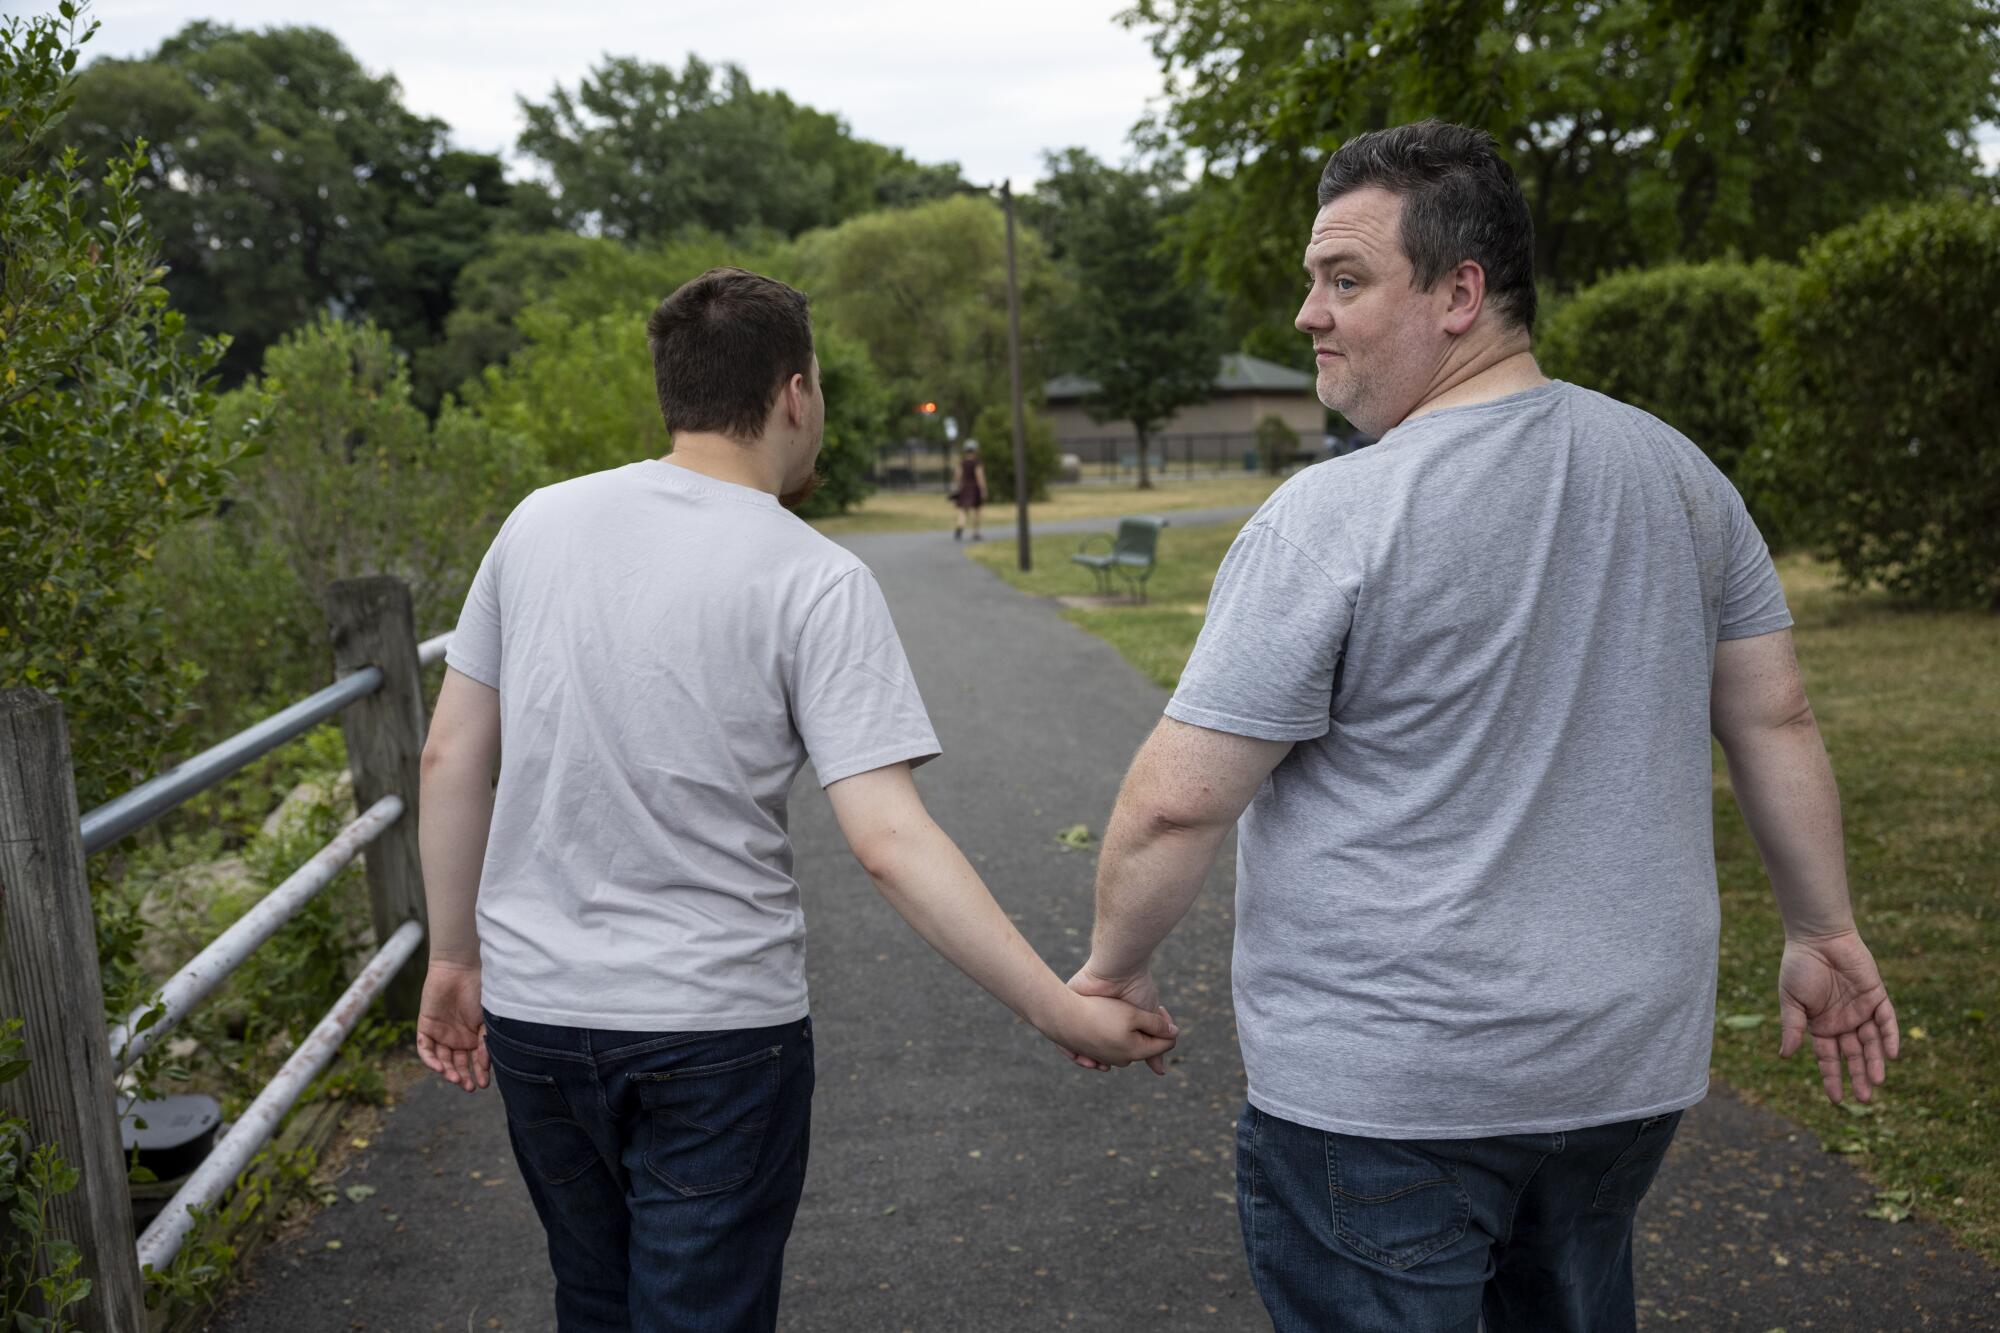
x,y
1640,133
105,442
283,180
924,289
1149,340
641,152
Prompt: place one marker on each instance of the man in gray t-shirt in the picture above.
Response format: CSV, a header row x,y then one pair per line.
x,y
615,934
1459,687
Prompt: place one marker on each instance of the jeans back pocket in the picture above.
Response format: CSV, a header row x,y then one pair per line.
x,y
705,1124
1392,1202
554,1142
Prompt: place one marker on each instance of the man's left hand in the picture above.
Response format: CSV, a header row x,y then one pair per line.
x,y
451,1029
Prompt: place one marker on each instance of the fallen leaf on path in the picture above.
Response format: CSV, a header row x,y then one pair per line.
x,y
1075,838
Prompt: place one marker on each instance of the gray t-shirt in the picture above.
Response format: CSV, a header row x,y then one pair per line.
x,y
1478,896
669,650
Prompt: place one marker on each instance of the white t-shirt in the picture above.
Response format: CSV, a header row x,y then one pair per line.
x,y
669,649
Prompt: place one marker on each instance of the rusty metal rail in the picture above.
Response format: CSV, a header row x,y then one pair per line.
x,y
218,1171
233,947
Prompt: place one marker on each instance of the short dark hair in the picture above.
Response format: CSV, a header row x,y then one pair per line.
x,y
723,345
1460,202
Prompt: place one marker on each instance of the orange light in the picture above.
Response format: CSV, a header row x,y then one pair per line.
x,y
928,409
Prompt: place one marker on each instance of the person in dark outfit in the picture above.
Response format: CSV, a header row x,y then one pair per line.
x,y
970,492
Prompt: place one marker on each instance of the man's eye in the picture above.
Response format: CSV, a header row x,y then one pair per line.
x,y
1344,284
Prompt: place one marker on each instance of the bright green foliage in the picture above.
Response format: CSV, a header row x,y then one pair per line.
x,y
104,438
1883,389
1679,341
353,481
1149,339
641,152
995,432
581,390
1640,132
924,289
284,180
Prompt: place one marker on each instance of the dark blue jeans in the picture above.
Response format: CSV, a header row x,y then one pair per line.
x,y
1528,1231
665,1166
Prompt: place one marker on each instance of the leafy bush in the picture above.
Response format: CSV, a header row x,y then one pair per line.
x,y
581,390
105,442
353,480
1277,443
1679,341
995,432
1883,397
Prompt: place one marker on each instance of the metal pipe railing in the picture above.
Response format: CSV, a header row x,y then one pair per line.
x,y
218,1171
149,800
233,947
432,649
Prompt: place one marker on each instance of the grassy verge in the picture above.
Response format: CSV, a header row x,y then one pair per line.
x,y
1909,703
928,510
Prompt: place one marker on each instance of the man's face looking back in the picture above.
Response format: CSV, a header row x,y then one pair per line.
x,y
1377,340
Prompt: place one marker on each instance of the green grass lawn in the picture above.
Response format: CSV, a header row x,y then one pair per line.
x,y
1909,703
927,510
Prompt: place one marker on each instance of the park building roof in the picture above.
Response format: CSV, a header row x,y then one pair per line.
x,y
1234,373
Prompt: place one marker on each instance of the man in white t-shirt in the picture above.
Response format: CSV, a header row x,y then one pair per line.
x,y
616,934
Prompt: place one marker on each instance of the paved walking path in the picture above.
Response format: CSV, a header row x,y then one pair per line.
x,y
963,1177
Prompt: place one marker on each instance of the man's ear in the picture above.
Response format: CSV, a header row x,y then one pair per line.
x,y
795,400
1466,286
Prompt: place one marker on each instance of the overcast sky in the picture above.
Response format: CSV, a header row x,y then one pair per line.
x,y
990,86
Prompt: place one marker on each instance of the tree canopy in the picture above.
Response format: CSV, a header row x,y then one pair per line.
x,y
283,180
640,151
1641,133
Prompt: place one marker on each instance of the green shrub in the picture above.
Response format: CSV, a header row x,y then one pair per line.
x,y
1679,341
1882,393
994,430
353,480
105,442
1277,443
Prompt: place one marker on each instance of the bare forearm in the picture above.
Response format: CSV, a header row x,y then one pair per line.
x,y
456,805
1785,788
929,883
1147,879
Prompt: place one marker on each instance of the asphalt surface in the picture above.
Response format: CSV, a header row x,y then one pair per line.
x,y
963,1176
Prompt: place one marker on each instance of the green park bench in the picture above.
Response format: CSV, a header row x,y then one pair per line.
x,y
1130,558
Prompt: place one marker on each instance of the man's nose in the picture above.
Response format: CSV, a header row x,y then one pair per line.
x,y
1312,318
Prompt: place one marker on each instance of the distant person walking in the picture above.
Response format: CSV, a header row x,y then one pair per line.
x,y
970,493
616,932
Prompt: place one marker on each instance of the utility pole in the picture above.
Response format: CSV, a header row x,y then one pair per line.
x,y
1014,372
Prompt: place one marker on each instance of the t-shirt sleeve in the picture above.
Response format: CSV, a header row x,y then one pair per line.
x,y
1264,664
1753,601
854,700
474,647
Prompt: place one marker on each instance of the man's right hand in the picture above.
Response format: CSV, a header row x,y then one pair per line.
x,y
1830,988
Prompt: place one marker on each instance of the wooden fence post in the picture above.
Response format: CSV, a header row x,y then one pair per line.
x,y
49,979
372,625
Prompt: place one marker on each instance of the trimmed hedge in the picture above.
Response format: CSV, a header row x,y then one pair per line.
x,y
1882,395
1680,341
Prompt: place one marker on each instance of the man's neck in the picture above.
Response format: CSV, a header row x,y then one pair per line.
x,y
725,459
1507,369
